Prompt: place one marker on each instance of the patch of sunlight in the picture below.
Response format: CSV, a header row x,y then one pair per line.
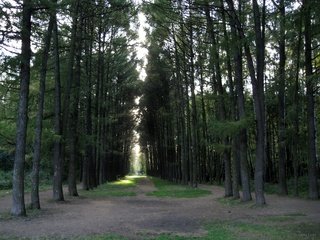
x,y
136,176
124,182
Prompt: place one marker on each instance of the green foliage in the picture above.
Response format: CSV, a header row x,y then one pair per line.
x,y
5,180
169,189
302,187
228,128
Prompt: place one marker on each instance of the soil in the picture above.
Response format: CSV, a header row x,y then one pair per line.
x,y
141,215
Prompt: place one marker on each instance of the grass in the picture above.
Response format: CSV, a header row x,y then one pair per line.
x,y
121,188
224,230
230,202
231,230
169,189
4,192
31,213
283,218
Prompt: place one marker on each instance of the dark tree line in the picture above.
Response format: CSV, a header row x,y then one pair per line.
x,y
230,94
83,83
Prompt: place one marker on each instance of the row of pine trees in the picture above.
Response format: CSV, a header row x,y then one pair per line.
x,y
231,94
75,93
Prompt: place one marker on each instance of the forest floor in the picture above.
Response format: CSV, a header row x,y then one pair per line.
x,y
141,216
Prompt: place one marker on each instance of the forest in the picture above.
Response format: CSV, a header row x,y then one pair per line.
x,y
227,94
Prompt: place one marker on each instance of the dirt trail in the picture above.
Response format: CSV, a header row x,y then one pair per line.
x,y
134,216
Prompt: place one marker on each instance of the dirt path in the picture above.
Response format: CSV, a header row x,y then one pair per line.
x,y
134,216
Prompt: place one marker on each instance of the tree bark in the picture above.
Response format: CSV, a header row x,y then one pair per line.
x,y
35,200
283,190
257,82
242,136
259,102
57,156
18,204
222,108
312,152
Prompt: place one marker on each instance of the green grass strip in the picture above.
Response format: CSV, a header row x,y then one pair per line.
x,y
169,189
121,188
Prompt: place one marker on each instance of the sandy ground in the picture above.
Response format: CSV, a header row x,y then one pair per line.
x,y
135,216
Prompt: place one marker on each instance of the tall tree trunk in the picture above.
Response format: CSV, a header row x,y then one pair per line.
x,y
235,160
257,82
57,156
222,108
296,100
242,136
259,102
68,126
312,152
35,200
74,117
194,115
283,190
18,205
88,173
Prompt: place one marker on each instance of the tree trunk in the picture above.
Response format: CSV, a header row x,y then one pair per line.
x,y
296,100
35,200
74,117
235,160
283,190
57,157
222,108
259,102
257,82
242,136
312,152
18,205
88,173
194,115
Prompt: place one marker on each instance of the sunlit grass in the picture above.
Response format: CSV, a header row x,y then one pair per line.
x,y
169,189
121,188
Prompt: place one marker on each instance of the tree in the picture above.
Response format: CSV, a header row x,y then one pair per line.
x,y
312,152
35,200
282,139
18,205
57,148
237,57
257,81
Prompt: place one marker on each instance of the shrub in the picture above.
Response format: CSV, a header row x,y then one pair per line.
x,y
5,180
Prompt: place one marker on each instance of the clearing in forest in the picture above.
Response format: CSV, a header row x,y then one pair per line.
x,y
149,208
